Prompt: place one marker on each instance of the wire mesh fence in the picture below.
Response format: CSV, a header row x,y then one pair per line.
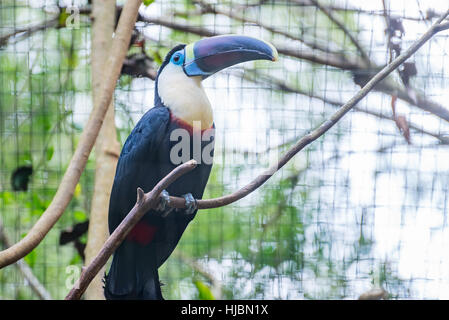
x,y
363,207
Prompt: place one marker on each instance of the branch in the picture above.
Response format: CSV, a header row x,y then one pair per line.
x,y
374,294
202,32
208,8
107,148
216,287
442,27
144,203
341,25
307,3
78,162
26,271
281,85
28,31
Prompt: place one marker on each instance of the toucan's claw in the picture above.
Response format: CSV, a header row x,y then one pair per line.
x,y
191,205
164,204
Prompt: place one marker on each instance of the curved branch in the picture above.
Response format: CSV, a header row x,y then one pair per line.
x,y
107,148
78,162
144,203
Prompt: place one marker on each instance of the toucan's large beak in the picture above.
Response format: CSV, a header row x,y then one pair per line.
x,y
208,56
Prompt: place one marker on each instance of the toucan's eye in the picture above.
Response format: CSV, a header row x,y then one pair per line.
x,y
177,58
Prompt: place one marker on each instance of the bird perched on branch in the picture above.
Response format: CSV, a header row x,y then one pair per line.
x,y
178,128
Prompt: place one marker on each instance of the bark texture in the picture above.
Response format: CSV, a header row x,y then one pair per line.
x,y
106,147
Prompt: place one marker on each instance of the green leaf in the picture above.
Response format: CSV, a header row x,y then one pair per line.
x,y
50,152
62,18
204,292
38,203
79,216
76,259
156,56
30,258
7,197
77,191
147,2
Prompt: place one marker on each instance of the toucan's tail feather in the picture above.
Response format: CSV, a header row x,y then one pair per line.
x,y
133,274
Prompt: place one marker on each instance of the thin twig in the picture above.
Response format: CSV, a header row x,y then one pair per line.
x,y
144,203
29,30
281,85
202,32
216,286
341,25
208,8
26,271
107,148
301,3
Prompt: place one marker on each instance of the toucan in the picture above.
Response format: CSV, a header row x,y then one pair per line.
x,y
171,132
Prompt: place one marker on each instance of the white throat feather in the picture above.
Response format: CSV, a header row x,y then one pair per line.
x,y
185,96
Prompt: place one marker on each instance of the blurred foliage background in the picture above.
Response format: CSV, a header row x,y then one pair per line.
x,y
364,207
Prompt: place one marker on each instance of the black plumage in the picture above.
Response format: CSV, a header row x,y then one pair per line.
x,y
144,161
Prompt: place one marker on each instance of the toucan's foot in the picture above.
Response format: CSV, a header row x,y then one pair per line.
x,y
164,204
191,205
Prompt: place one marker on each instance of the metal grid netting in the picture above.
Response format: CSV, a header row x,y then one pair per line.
x,y
360,208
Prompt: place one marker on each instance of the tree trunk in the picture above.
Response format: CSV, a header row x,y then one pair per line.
x,y
106,147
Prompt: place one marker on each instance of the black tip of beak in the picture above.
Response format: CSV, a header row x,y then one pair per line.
x,y
210,55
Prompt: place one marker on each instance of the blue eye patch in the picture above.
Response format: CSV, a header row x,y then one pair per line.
x,y
177,58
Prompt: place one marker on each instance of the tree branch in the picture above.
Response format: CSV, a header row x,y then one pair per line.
x,y
216,287
341,25
107,148
144,203
27,31
281,85
208,8
307,3
78,162
202,32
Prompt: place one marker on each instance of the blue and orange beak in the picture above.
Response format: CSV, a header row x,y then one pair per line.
x,y
208,56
